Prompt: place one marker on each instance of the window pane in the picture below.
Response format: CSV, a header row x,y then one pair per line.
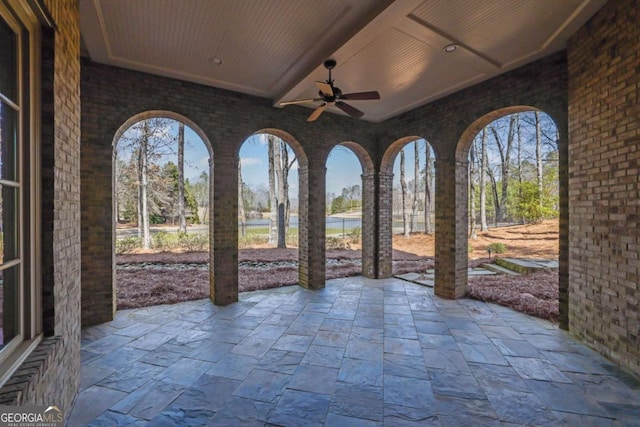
x,y
8,224
8,74
8,139
9,304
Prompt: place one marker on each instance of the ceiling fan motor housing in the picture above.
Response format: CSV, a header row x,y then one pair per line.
x,y
330,64
337,93
331,95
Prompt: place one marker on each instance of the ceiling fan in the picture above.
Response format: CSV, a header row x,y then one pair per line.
x,y
332,95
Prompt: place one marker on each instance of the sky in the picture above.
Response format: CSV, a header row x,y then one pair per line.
x,y
343,167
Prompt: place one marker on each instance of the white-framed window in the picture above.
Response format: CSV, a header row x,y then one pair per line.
x,y
20,306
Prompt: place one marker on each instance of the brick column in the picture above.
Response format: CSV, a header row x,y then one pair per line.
x,y
311,219
98,296
563,235
223,233
369,252
451,228
385,226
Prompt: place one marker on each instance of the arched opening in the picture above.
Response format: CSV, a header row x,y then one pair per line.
x,y
513,211
408,172
268,210
162,186
348,182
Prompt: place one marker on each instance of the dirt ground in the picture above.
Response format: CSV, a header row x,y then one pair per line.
x,y
521,241
145,279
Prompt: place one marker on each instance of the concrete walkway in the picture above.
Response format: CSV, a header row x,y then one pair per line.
x,y
360,352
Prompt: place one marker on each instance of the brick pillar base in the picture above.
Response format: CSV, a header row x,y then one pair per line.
x,y
369,225
385,226
311,214
223,232
451,229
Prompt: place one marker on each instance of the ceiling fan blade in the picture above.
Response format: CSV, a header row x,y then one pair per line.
x,y
316,113
325,88
300,101
361,96
352,111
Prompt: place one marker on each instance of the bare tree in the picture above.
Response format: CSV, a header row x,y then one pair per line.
x,y
181,214
472,193
428,192
504,149
284,179
416,180
241,212
494,190
519,160
279,166
280,208
143,177
403,186
148,141
483,182
539,155
273,202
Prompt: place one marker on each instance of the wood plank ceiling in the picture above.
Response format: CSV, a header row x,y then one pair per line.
x,y
276,48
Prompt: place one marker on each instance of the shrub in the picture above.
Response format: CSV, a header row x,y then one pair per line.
x,y
335,243
291,239
252,239
165,241
355,234
529,205
127,244
194,242
497,248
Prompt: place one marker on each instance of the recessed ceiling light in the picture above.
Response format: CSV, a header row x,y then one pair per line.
x,y
450,48
216,61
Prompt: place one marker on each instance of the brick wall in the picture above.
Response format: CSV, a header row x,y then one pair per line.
x,y
604,182
51,373
111,96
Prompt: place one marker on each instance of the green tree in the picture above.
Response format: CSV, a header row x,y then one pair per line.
x,y
528,205
191,203
339,204
200,190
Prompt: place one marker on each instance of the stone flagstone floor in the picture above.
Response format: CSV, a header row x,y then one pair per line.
x,y
360,352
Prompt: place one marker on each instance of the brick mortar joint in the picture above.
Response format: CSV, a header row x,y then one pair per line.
x,y
33,368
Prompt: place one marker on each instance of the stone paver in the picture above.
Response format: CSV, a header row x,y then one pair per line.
x,y
360,352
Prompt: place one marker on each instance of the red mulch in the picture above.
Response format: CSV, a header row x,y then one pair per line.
x,y
535,294
258,255
142,287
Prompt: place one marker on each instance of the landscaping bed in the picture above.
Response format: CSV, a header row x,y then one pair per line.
x,y
165,277
145,279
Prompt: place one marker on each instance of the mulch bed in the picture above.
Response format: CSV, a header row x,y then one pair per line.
x,y
139,285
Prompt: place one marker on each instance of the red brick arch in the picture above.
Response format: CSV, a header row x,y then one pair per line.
x,y
461,190
385,200
179,118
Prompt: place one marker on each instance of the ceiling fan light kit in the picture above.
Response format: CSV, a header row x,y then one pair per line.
x,y
329,94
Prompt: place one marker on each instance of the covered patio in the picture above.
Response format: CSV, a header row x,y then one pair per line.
x,y
359,352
